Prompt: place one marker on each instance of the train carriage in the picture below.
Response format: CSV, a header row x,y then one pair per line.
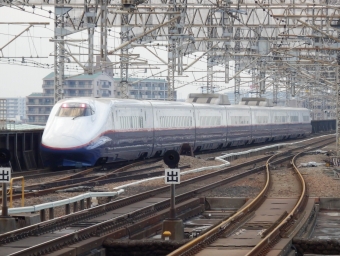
x,y
90,131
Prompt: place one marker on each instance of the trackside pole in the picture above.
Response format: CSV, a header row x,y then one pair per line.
x,y
172,227
4,208
172,202
7,223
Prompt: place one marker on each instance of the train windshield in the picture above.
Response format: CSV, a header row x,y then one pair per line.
x,y
75,110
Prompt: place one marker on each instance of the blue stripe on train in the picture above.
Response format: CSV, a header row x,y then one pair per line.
x,y
72,157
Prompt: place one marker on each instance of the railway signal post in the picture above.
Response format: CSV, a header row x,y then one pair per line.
x,y
7,223
172,176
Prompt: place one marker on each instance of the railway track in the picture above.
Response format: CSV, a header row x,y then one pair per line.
x,y
111,177
80,179
257,231
117,219
41,173
74,173
148,203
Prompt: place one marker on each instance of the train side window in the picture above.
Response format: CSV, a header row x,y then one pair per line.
x,y
141,122
135,124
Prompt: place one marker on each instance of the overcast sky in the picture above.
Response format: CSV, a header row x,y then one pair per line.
x,y
20,81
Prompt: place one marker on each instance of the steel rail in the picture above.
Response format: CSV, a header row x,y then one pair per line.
x,y
112,225
60,222
106,228
213,233
77,175
264,245
191,247
109,178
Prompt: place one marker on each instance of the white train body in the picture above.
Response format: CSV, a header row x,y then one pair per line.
x,y
89,131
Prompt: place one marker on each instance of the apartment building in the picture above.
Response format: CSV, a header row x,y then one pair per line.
x,y
15,108
39,105
146,89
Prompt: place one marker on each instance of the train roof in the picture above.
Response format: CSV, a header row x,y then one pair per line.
x,y
175,103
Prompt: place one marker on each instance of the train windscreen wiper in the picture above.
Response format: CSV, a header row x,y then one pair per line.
x,y
77,116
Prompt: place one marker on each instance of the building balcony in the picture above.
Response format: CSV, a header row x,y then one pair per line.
x,y
78,94
84,87
40,103
37,122
48,86
37,112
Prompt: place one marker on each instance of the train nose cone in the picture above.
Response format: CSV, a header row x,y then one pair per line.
x,y
63,142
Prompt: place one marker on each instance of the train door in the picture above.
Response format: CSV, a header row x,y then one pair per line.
x,y
196,118
111,126
149,119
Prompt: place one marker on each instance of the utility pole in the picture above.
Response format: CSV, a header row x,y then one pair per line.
x,y
237,49
59,50
90,15
124,59
211,53
103,35
172,30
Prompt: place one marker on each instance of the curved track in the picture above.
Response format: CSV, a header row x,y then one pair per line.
x,y
258,230
97,222
122,218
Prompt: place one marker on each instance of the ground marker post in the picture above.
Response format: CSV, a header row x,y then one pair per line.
x,y
172,225
6,222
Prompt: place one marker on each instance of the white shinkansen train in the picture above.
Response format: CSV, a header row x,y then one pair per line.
x,y
90,131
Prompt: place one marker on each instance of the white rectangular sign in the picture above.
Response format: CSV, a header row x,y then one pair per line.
x,y
5,175
172,176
